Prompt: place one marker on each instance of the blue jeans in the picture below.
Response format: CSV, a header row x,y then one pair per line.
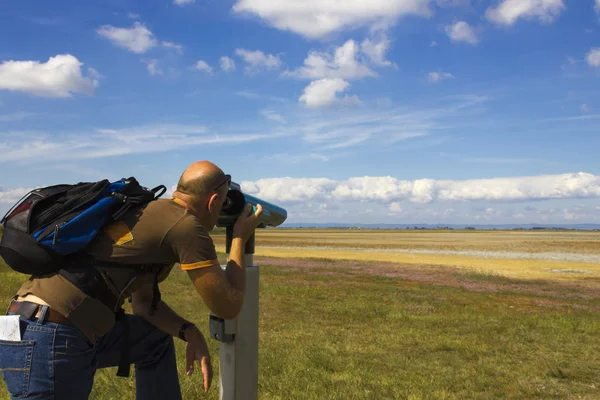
x,y
55,361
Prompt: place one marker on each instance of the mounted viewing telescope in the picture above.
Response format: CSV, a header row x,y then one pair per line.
x,y
238,366
236,202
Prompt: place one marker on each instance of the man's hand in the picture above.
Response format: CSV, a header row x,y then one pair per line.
x,y
197,350
247,223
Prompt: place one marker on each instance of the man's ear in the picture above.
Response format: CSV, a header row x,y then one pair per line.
x,y
213,201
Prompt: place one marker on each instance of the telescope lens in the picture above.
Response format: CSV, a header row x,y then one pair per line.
x,y
227,204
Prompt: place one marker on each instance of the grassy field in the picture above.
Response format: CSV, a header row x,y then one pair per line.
x,y
355,329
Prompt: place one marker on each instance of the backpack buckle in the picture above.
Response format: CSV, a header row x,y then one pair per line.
x,y
120,196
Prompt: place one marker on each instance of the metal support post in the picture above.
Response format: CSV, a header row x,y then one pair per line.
x,y
238,366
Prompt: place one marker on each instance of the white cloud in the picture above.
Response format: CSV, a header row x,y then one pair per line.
x,y
593,57
255,96
133,16
227,64
461,31
38,147
323,93
319,18
342,63
376,49
345,131
203,66
182,3
257,60
137,39
357,126
11,196
597,7
330,72
387,189
434,77
153,68
273,116
585,108
510,11
395,207
170,45
60,76
433,43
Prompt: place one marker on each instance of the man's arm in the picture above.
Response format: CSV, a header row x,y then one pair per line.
x,y
164,319
223,291
168,321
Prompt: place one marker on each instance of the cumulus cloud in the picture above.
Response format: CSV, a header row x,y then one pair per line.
x,y
203,66
510,11
227,64
182,3
256,60
434,77
137,39
461,31
318,18
593,57
423,191
323,93
375,50
330,72
60,76
343,63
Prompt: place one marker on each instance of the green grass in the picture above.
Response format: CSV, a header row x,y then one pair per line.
x,y
329,334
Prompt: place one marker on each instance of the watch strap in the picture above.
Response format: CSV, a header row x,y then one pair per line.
x,y
182,330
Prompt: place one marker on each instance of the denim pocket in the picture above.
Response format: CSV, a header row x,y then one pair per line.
x,y
15,364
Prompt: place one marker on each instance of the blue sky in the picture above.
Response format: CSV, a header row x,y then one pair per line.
x,y
401,111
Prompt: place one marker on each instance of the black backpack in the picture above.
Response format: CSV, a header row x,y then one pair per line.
x,y
52,225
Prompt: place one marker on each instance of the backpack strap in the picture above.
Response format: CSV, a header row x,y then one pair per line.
x,y
156,297
136,197
124,363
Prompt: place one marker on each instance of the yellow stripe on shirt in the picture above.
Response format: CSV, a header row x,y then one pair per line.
x,y
200,264
119,232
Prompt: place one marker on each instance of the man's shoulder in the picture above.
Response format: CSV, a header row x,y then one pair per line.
x,y
182,222
163,210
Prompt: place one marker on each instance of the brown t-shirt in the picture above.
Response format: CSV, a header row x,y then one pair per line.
x,y
161,233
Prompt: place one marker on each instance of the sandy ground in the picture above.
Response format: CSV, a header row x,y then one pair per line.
x,y
565,256
551,256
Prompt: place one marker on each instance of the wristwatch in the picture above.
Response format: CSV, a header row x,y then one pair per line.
x,y
183,328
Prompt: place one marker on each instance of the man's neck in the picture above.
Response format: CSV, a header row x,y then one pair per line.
x,y
180,202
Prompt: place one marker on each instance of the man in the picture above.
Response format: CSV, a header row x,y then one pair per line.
x,y
69,325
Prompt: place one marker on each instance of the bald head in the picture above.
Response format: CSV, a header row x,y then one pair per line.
x,y
200,179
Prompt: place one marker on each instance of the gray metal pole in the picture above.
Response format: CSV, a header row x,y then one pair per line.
x,y
238,366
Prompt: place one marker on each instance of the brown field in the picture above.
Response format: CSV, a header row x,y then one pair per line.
x,y
568,255
585,242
